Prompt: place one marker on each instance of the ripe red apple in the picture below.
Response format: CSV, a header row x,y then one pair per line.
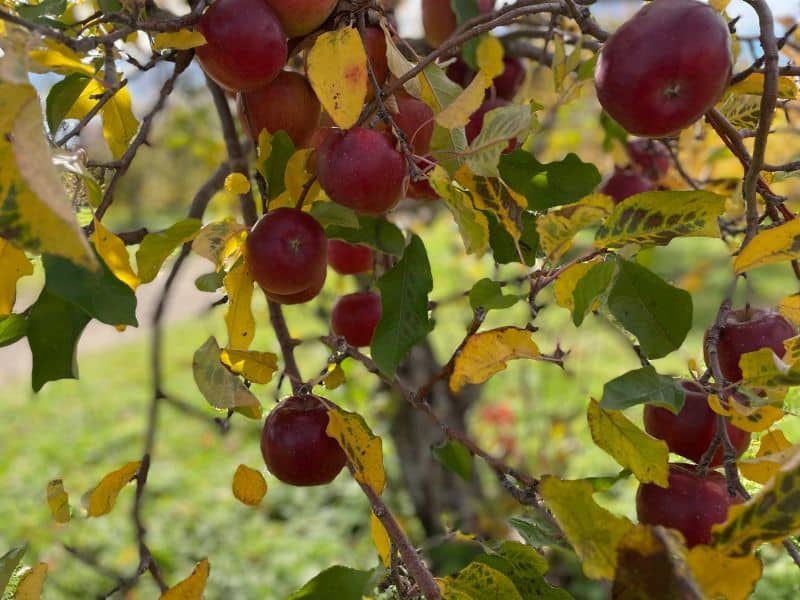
x,y
375,46
355,316
689,433
439,20
286,251
649,157
475,124
460,72
246,45
691,503
422,190
361,169
299,17
348,259
747,330
625,183
415,119
294,444
507,84
309,293
665,67
287,102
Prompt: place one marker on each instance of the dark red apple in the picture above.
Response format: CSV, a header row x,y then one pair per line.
x,y
624,183
507,84
747,330
375,46
415,119
689,433
422,189
349,259
691,503
460,72
440,21
286,103
361,169
286,251
649,157
355,316
309,293
246,45
294,444
665,67
300,17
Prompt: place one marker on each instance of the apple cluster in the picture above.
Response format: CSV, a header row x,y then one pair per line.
x,y
693,502
649,162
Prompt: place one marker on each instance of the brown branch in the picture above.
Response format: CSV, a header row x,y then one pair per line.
x,y
287,344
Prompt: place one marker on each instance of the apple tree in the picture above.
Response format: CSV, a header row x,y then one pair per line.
x,y
342,138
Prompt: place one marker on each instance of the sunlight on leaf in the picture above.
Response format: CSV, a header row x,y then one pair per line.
x,y
712,569
239,313
13,266
58,501
380,539
192,587
31,583
258,367
221,388
364,449
249,485
102,498
178,40
114,253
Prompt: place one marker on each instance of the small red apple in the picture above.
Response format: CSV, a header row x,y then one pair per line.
x,y
355,317
303,296
507,84
349,259
649,157
415,120
440,21
300,17
625,183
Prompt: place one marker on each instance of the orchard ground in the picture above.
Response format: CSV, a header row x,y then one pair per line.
x,y
79,430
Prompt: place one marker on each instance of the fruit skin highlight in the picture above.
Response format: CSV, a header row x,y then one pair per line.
x,y
665,67
294,444
246,45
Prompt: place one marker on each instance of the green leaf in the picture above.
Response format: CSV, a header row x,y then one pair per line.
x,y
613,131
404,307
488,294
464,11
156,247
455,457
478,581
101,295
333,213
589,287
586,70
39,12
548,185
274,168
210,282
8,564
54,327
12,328
378,234
62,96
538,531
348,584
502,243
499,126
657,313
642,386
525,567
445,142
219,386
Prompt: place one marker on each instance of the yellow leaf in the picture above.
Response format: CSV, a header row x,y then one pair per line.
x,y
239,313
789,307
179,40
364,449
493,195
114,254
486,353
103,497
763,369
559,64
31,583
337,70
334,378
192,587
157,246
297,176
558,227
472,223
381,539
219,241
458,112
221,388
631,447
712,569
399,65
777,244
658,217
489,56
13,265
771,515
236,183
258,367
478,581
58,501
774,451
567,281
719,5
119,123
593,531
57,58
754,84
249,485
34,207
746,418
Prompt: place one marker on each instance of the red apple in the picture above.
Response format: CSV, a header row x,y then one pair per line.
x,y
649,157
355,316
294,444
375,46
624,183
349,259
286,251
361,169
507,84
286,103
300,17
309,293
689,433
691,503
246,45
747,330
422,190
665,67
440,21
460,72
415,119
